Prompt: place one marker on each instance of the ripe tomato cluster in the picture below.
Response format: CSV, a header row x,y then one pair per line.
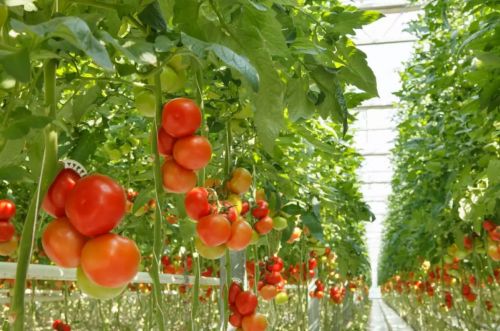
x,y
272,281
319,291
243,306
85,211
184,151
493,231
8,243
59,325
337,294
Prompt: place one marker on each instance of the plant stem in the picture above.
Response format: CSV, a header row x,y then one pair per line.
x,y
157,228
48,171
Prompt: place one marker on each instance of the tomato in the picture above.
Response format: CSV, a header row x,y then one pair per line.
x,y
280,223
181,117
55,199
241,235
96,205
488,225
295,235
196,203
312,263
273,278
255,322
214,230
236,202
172,219
7,209
255,237
275,263
245,207
178,62
145,103
95,291
240,182
235,319
229,211
234,289
494,250
7,231
165,143
261,210
260,194
264,225
246,303
172,80
9,247
62,243
193,152
211,253
177,179
110,260
268,292
281,298
495,234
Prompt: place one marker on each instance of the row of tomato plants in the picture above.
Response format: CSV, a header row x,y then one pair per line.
x,y
445,205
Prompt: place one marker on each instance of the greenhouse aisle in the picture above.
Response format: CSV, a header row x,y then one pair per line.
x,y
384,318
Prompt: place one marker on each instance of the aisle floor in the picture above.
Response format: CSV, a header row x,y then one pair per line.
x,y
384,318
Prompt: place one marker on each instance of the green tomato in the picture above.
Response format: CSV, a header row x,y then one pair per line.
x,y
280,223
145,103
461,254
96,291
211,253
178,63
255,238
171,80
281,298
448,259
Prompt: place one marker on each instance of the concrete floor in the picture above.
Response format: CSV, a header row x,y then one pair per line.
x,y
384,318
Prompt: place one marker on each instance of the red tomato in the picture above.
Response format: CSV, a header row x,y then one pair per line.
x,y
196,203
214,230
312,263
268,292
255,322
235,319
495,233
273,278
246,303
234,289
62,243
264,225
181,117
275,263
7,210
110,260
96,205
261,210
488,225
241,235
229,211
193,152
245,207
165,143
7,231
177,179
54,201
240,182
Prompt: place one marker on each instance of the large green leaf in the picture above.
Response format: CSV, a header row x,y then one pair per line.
x,y
72,29
17,64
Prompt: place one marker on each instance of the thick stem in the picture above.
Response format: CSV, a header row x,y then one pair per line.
x,y
157,228
48,171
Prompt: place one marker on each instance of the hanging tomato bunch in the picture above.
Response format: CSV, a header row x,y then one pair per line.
x,y
243,306
184,151
7,212
87,209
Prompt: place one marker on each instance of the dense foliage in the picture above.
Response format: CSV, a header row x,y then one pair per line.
x,y
447,168
85,80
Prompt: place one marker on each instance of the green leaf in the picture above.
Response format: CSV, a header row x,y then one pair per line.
x,y
347,21
151,16
136,50
298,104
493,172
17,64
15,174
72,29
144,196
21,127
11,152
314,225
356,71
237,62
86,145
